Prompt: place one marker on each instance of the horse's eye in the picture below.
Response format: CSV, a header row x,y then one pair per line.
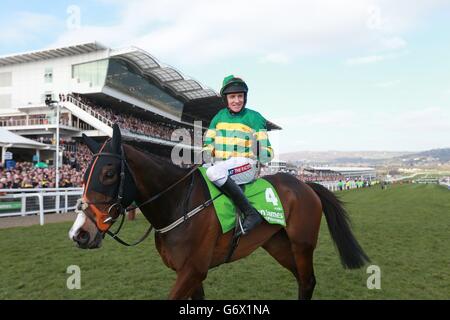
x,y
110,174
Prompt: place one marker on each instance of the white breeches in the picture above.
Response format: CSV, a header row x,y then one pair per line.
x,y
240,169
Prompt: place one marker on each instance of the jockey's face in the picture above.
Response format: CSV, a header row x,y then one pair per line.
x,y
235,101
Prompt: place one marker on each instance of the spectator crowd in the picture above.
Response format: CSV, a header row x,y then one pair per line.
x,y
132,123
27,175
76,156
317,178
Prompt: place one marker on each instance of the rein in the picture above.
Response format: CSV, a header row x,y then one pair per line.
x,y
185,216
118,201
165,190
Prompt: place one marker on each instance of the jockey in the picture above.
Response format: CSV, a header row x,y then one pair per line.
x,y
237,138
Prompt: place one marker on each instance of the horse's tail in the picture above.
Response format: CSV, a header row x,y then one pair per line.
x,y
351,254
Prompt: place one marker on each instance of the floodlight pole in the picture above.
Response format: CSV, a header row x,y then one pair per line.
x,y
57,146
57,204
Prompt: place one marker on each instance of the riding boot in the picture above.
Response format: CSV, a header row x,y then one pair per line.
x,y
251,216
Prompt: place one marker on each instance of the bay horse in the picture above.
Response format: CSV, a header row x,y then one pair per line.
x,y
120,174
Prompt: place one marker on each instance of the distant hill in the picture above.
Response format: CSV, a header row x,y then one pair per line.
x,y
434,155
371,158
340,156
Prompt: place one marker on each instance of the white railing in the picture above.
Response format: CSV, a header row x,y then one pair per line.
x,y
332,186
35,122
89,110
445,182
22,202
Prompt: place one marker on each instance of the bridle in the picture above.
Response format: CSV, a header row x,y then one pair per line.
x,y
117,202
114,203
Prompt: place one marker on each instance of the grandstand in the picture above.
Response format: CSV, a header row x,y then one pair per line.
x,y
345,172
95,86
279,166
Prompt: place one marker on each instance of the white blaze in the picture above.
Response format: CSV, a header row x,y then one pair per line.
x,y
81,219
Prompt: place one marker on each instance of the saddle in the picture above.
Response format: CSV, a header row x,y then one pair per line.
x,y
261,194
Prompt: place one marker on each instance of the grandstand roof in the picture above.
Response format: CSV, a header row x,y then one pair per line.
x,y
167,76
12,140
51,53
200,102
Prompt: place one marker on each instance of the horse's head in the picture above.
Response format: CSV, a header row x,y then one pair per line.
x,y
109,189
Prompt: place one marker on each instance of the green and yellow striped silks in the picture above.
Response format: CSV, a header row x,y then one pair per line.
x,y
238,135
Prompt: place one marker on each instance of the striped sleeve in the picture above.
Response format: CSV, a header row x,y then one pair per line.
x,y
210,136
265,151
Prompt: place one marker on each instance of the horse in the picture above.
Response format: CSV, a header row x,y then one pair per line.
x,y
120,174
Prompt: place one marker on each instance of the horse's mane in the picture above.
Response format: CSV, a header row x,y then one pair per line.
x,y
148,153
160,159
157,157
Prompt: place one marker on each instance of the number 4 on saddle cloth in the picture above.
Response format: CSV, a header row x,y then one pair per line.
x,y
261,194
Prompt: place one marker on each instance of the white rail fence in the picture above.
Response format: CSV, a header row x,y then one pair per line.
x,y
22,202
445,183
334,185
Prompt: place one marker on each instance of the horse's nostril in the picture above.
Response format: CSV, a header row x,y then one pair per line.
x,y
82,237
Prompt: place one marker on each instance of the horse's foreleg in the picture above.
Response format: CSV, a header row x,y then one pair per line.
x,y
188,282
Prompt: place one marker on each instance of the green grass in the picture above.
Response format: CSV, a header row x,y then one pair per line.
x,y
404,230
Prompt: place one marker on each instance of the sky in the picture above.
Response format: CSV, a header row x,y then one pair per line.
x,y
334,74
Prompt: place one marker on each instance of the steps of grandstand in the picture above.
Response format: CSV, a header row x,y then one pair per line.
x,y
103,124
88,115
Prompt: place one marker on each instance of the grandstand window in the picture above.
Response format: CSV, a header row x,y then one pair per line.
x,y
200,94
5,79
166,74
185,85
123,76
48,75
92,72
142,60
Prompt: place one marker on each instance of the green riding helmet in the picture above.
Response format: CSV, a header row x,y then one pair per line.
x,y
232,84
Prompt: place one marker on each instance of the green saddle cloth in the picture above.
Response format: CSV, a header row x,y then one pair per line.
x,y
261,194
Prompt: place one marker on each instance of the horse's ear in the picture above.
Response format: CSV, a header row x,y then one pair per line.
x,y
93,145
116,139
